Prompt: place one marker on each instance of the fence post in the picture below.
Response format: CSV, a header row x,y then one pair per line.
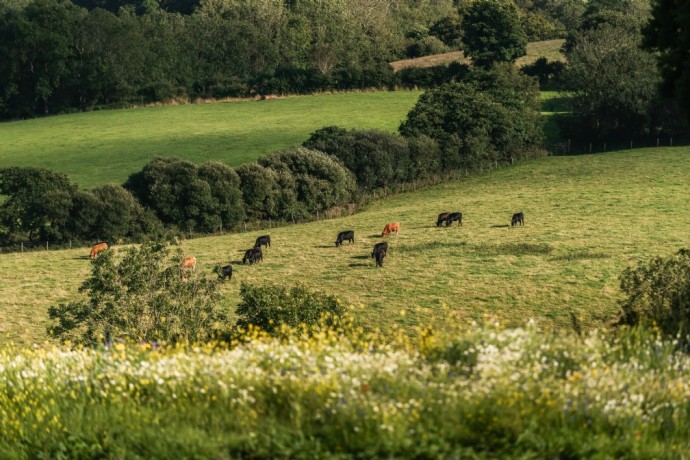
x,y
590,147
46,245
317,215
630,144
604,146
568,145
671,141
657,142
21,244
70,244
270,224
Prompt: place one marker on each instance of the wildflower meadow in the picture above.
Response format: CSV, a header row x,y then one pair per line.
x,y
475,393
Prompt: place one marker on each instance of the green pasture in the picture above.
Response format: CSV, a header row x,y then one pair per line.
x,y
587,218
107,146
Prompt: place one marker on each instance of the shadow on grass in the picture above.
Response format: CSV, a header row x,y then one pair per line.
x,y
323,246
579,255
377,235
481,249
362,257
353,265
500,226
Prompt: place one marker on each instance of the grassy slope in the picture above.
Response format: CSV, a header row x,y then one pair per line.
x,y
100,147
587,218
548,48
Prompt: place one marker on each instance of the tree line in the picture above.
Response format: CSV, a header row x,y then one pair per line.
x,y
60,56
466,126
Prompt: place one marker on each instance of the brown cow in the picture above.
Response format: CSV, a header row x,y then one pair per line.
x,y
189,262
390,228
96,248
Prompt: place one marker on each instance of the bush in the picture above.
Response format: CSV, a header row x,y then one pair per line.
x,y
544,70
658,293
260,192
189,196
316,180
492,116
431,77
269,307
143,297
376,158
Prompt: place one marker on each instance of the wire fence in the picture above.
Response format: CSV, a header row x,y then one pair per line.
x,y
577,147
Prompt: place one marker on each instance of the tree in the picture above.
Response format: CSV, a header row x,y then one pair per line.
x,y
320,181
187,196
492,116
144,297
668,35
38,203
260,190
492,32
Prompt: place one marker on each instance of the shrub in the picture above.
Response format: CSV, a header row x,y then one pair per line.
x,y
143,297
544,70
269,307
658,292
260,192
376,158
320,182
189,196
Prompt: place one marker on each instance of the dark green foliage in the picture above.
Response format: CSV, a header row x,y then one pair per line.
x,y
370,155
537,26
612,81
449,30
491,117
317,180
658,293
37,205
189,196
119,213
668,35
548,72
260,190
431,77
270,307
492,32
143,297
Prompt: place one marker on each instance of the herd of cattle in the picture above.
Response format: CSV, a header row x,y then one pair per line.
x,y
255,254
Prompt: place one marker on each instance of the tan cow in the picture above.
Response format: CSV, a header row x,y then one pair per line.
x,y
189,262
390,228
96,248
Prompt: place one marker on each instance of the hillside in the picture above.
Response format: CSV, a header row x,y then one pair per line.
x,y
548,48
587,218
100,147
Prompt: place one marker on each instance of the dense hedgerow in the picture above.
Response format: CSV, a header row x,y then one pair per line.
x,y
478,393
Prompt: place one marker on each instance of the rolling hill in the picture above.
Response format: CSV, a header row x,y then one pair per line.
x,y
587,218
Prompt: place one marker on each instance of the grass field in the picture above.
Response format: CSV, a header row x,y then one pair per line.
x,y
107,146
547,48
587,218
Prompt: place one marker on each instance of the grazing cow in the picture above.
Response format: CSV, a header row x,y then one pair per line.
x,y
264,240
253,255
379,247
225,272
390,228
441,218
452,217
98,247
188,263
518,217
379,258
268,97
347,235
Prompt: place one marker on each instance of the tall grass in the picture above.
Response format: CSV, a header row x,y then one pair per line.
x,y
479,393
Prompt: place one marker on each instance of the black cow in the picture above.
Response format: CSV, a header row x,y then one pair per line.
x,y
347,235
441,218
452,217
264,240
225,272
379,258
379,247
518,218
253,255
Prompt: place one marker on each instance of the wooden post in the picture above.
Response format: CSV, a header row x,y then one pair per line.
x,y
657,142
317,216
568,145
70,244
245,226
46,245
590,147
671,142
604,146
269,223
630,144
22,246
